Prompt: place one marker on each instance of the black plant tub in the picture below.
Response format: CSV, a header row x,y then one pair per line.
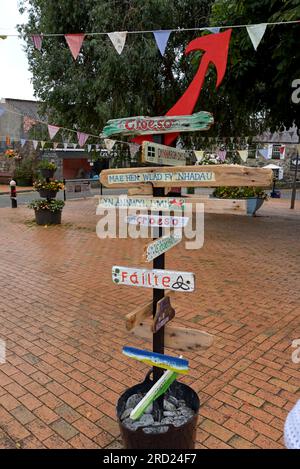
x,y
47,194
46,217
182,437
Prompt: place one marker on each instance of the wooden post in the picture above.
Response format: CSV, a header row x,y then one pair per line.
x,y
295,182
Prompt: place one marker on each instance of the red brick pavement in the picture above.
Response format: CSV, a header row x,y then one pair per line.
x,y
62,318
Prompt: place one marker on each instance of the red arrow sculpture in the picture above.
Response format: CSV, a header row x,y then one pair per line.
x,y
216,52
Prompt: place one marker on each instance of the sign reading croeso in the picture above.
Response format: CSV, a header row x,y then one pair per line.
x,y
159,246
151,203
188,176
157,220
162,154
141,125
161,279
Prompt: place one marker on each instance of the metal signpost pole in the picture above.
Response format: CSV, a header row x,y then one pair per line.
x,y
295,182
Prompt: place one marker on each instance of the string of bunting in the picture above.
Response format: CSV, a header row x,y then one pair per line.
x,y
118,38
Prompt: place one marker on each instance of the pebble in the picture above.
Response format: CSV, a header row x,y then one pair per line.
x,y
173,400
126,413
169,406
133,401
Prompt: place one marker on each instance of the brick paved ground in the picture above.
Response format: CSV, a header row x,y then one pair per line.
x,y
62,318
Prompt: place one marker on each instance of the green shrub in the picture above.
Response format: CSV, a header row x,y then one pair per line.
x,y
43,204
239,192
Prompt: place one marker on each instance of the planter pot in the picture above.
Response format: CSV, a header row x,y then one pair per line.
x,y
182,437
46,217
247,206
23,182
253,204
47,173
47,194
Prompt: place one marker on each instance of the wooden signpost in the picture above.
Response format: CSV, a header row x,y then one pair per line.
x,y
159,246
163,155
141,125
156,221
164,314
136,316
147,203
157,278
188,176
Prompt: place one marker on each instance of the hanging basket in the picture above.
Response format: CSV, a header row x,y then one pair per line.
x,y
47,194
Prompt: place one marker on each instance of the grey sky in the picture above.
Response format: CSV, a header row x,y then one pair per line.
x,y
14,76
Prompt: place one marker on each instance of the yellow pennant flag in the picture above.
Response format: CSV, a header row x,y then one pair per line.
x,y
243,154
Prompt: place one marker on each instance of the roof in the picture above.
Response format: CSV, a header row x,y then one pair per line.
x,y
24,107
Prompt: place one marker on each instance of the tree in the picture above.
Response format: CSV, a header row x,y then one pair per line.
x,y
257,89
102,85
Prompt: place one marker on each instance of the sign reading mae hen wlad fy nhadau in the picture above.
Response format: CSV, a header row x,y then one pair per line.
x,y
156,278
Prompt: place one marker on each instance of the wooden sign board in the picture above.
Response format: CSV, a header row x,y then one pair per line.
x,y
147,203
159,246
188,176
178,338
157,220
136,316
164,314
161,154
141,125
156,278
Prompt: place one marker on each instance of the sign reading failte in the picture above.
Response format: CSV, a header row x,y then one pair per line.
x,y
161,154
161,279
159,246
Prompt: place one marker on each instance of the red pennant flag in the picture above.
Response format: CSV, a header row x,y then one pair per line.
x,y
74,42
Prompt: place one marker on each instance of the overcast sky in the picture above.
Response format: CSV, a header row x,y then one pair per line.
x,y
14,76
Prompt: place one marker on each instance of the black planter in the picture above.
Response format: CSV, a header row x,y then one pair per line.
x,y
46,217
47,173
182,437
47,194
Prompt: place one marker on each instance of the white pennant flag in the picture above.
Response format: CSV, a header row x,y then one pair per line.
x,y
243,154
89,147
118,39
23,141
199,154
42,143
35,144
52,129
66,145
256,32
74,145
109,143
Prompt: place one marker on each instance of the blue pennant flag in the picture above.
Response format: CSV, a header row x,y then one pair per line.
x,y
214,30
161,38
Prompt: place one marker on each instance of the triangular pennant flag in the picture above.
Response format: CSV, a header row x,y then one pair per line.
x,y
263,152
221,154
55,145
214,30
161,38
52,129
118,39
74,145
74,42
97,147
89,147
82,138
133,148
109,143
282,152
35,144
42,142
37,41
243,154
66,145
231,139
23,141
256,32
199,154
2,111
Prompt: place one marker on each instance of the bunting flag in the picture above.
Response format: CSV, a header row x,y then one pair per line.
x,y
133,148
214,30
256,33
89,147
55,145
74,42
264,153
82,138
97,147
66,145
243,154
74,145
221,154
118,39
199,154
7,140
161,38
2,111
35,144
52,129
109,143
282,152
42,142
37,41
23,141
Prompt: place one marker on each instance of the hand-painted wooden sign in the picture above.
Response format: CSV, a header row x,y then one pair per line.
x,y
178,365
188,176
178,338
151,203
163,155
136,316
157,220
140,125
156,278
164,314
159,246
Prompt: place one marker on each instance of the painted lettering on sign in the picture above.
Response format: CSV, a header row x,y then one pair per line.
x,y
161,279
164,314
159,246
167,203
161,154
185,176
157,220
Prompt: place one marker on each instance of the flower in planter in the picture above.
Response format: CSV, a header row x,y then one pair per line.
x,y
239,192
47,165
48,186
12,154
43,204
